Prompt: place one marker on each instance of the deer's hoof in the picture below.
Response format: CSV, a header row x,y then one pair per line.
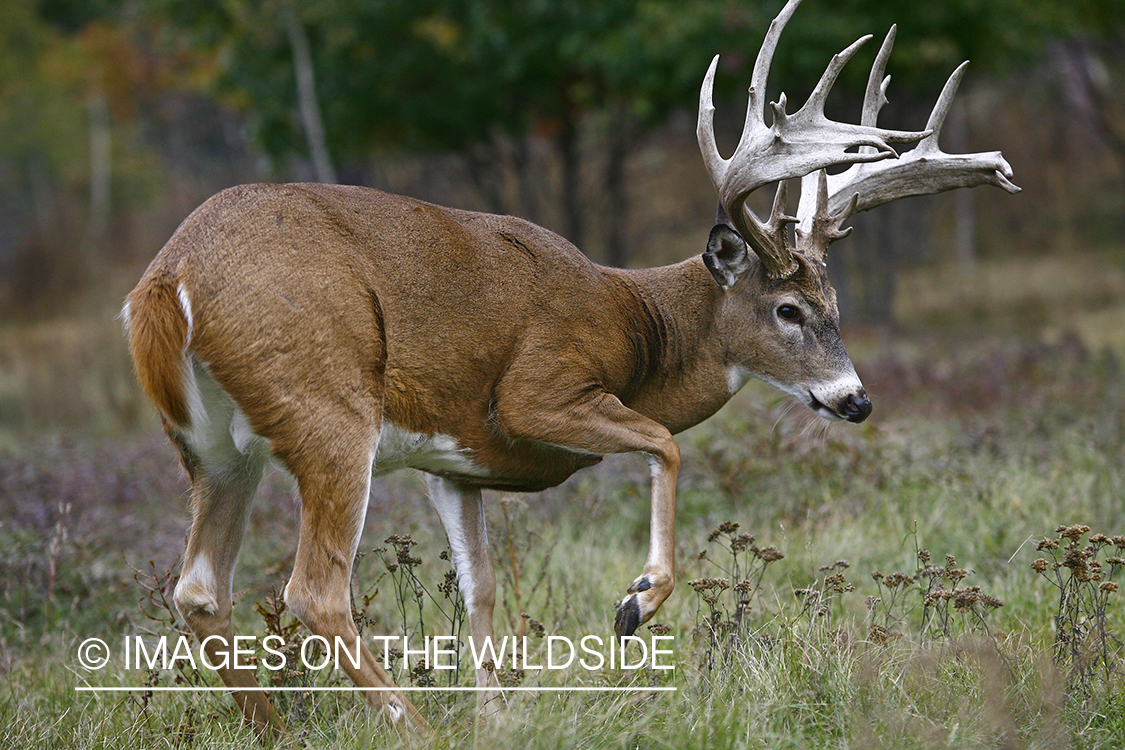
x,y
628,617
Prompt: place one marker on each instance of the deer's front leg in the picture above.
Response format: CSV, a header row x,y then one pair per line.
x,y
462,515
654,585
597,422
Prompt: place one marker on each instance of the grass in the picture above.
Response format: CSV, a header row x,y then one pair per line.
x,y
982,445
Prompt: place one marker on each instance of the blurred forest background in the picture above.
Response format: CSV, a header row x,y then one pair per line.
x,y
118,117
988,327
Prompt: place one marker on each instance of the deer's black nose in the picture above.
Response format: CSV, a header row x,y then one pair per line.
x,y
856,407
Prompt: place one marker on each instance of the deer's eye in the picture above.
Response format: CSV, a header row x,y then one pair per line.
x,y
790,313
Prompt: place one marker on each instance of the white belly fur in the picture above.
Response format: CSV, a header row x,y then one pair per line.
x,y
399,448
220,432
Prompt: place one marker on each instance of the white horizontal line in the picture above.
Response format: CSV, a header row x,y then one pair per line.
x,y
412,689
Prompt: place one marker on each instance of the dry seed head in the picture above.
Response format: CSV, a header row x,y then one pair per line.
x,y
1099,539
965,598
767,554
1076,559
726,527
924,555
934,597
535,626
1074,532
706,584
1115,560
1109,586
950,561
1047,544
1119,542
956,574
878,634
741,543
990,601
1040,565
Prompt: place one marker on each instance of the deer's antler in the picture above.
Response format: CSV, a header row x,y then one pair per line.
x,y
923,170
792,146
807,142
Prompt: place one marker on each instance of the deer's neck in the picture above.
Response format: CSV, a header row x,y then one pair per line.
x,y
681,377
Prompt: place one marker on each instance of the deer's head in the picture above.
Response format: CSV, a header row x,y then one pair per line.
x,y
779,321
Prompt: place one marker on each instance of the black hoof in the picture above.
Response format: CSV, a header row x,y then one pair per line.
x,y
628,617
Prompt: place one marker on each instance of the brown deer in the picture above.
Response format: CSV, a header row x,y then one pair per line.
x,y
346,333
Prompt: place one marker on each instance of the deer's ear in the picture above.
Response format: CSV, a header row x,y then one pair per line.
x,y
727,257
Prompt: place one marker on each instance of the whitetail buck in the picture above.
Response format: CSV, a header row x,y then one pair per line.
x,y
347,333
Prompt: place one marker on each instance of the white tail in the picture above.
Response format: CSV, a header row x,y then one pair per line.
x,y
347,333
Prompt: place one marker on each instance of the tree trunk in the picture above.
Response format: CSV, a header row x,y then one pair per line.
x,y
306,99
616,205
481,161
964,201
574,220
101,167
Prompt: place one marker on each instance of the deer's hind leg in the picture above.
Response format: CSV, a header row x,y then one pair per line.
x,y
334,478
225,470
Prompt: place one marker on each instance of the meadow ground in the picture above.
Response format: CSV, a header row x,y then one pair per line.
x,y
891,595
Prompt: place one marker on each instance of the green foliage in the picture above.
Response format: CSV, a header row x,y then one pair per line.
x,y
437,74
444,74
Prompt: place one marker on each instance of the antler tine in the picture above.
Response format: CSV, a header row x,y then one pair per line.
x,y
941,110
705,128
877,81
819,95
755,108
825,227
875,95
873,142
770,239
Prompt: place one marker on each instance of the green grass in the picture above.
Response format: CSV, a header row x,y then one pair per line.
x,y
980,446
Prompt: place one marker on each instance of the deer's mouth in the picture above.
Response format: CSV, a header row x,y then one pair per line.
x,y
818,406
852,408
